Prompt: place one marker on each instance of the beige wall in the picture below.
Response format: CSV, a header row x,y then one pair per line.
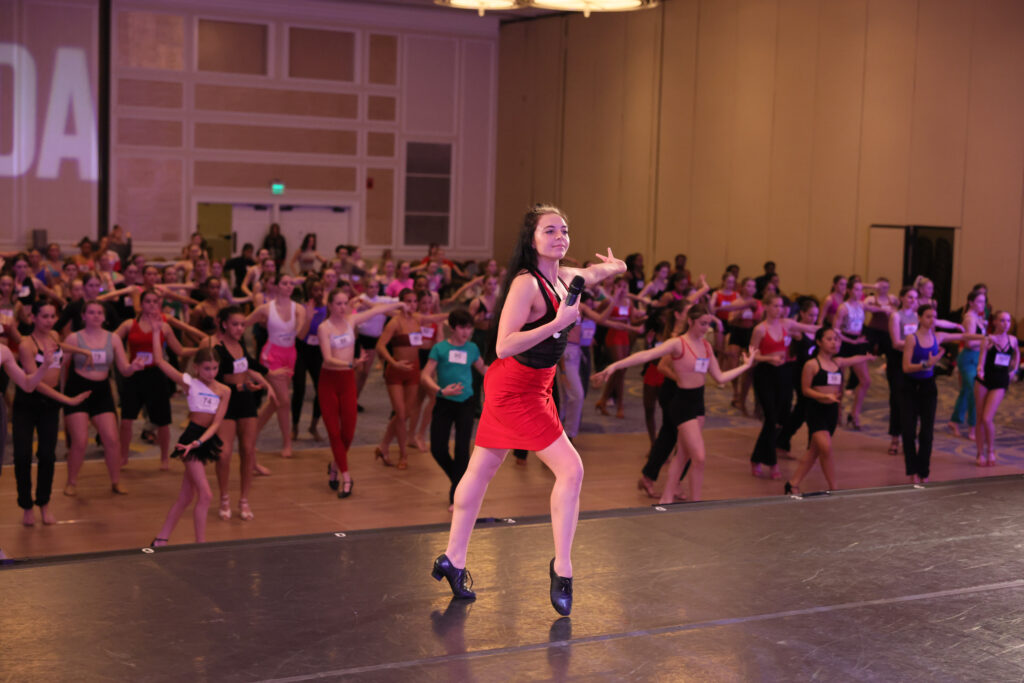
x,y
743,130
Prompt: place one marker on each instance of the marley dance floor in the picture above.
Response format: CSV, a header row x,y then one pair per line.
x,y
908,584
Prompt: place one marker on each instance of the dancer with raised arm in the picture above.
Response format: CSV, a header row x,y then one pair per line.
x,y
693,359
518,408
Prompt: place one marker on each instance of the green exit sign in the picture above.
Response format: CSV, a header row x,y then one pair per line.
x,y
276,188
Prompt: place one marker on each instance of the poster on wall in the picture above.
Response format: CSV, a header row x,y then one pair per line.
x,y
49,161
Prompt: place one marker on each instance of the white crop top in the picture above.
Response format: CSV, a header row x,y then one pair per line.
x,y
201,398
281,332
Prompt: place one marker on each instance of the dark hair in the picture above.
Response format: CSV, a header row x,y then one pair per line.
x,y
975,293
405,290
819,334
631,264
310,237
668,316
459,317
341,290
149,290
41,303
661,264
769,263
906,289
247,245
225,313
94,302
924,308
804,303
524,259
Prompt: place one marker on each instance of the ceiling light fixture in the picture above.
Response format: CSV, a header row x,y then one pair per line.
x,y
482,6
588,6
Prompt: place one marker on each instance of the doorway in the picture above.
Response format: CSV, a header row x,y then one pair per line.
x,y
904,252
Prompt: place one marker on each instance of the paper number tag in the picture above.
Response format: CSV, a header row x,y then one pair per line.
x,y
415,339
240,365
747,314
341,341
835,379
701,365
909,329
457,356
427,332
623,310
1003,360
99,357
23,292
313,340
146,356
787,340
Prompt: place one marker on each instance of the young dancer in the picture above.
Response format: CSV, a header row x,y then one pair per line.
x,y
518,408
198,444
693,359
92,373
998,361
821,382
974,322
337,386
452,360
849,323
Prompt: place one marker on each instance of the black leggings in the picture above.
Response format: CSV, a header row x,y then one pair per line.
x,y
894,374
772,389
447,413
308,359
797,413
668,435
919,399
34,414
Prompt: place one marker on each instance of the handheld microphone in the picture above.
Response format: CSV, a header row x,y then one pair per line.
x,y
575,287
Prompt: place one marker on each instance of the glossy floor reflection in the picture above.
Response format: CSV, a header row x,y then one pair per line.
x,y
890,584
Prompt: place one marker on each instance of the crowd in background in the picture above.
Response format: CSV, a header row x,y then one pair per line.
x,y
100,338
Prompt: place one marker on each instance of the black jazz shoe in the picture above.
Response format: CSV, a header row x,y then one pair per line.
x,y
561,591
332,477
457,578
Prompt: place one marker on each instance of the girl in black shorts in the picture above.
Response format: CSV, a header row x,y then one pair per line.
x,y
822,384
998,360
236,370
91,372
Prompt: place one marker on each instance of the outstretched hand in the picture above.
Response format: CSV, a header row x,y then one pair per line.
x,y
610,258
599,378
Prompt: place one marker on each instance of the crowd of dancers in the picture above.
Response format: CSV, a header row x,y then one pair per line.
x,y
245,338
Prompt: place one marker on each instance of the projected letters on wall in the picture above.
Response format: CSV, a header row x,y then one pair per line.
x,y
68,129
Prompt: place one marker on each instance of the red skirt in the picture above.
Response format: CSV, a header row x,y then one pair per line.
x,y
519,411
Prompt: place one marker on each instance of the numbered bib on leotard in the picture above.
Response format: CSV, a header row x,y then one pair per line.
x,y
240,365
354,278
415,339
128,302
23,292
856,326
341,341
457,356
587,330
1003,360
623,310
747,314
146,356
701,364
313,340
427,332
99,357
787,340
835,379
7,312
909,329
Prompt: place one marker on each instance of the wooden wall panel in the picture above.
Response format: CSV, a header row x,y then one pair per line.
x,y
380,205
888,105
134,92
714,124
796,68
429,86
149,132
319,54
757,32
232,47
994,157
939,124
381,108
148,40
837,130
149,197
276,101
382,59
474,179
274,139
246,174
674,172
380,144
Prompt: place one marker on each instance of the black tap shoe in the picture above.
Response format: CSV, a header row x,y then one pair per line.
x,y
561,591
457,578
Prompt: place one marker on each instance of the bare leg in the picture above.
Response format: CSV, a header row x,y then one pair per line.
x,y
469,495
106,425
196,473
185,496
126,439
823,442
805,464
411,394
691,438
982,438
861,369
994,398
281,380
163,437
675,471
426,403
563,460
227,431
77,425
247,451
396,424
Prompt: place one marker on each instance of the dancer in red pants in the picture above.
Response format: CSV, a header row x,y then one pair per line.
x,y
336,336
518,410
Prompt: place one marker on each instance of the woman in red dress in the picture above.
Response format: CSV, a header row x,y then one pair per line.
x,y
518,410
